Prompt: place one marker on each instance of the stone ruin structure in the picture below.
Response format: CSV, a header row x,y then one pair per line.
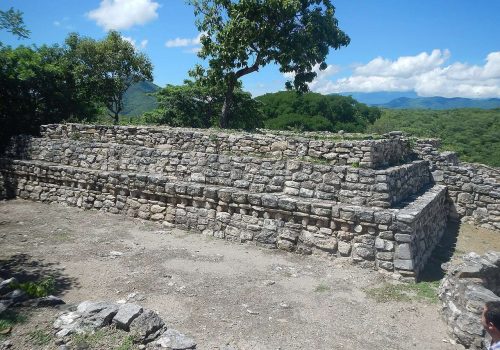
x,y
382,202
467,286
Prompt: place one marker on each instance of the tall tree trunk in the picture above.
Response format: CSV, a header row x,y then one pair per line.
x,y
116,118
226,107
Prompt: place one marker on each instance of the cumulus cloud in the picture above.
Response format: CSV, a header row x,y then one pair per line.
x,y
183,42
142,44
123,14
428,74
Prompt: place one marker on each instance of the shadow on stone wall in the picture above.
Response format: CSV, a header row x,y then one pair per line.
x,y
26,269
8,184
442,253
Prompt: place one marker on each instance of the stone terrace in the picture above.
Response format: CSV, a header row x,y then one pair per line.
x,y
361,199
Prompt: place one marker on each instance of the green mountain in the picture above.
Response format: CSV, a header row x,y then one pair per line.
x,y
137,99
439,103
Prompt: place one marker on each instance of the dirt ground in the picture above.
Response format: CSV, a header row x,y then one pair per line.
x,y
225,295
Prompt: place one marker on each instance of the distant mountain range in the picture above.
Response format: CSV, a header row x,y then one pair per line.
x,y
137,100
410,100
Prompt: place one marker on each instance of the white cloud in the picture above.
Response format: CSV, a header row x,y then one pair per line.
x,y
405,66
142,45
123,14
426,74
186,42
183,42
57,23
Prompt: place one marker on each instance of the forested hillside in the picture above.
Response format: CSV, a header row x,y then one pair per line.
x,y
473,133
312,111
139,99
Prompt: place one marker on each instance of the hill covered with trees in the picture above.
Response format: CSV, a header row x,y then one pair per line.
x,y
139,99
473,133
313,111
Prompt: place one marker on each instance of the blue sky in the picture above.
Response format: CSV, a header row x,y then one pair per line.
x,y
433,47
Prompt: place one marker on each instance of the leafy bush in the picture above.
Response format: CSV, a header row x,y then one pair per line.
x,y
38,289
294,121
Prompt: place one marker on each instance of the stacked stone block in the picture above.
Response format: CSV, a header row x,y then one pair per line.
x,y
388,218
474,189
467,286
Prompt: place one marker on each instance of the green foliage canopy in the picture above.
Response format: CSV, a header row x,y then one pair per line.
x,y
109,66
313,111
473,133
12,21
241,36
196,105
39,86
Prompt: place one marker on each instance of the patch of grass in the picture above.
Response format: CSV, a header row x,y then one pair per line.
x,y
40,337
88,340
127,343
321,288
10,318
41,288
422,291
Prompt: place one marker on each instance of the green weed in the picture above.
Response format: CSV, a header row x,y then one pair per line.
x,y
40,337
10,318
37,289
422,291
321,288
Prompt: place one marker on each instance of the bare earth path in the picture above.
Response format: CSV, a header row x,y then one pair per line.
x,y
224,294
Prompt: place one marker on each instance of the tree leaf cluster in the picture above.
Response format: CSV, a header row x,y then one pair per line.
x,y
473,133
110,66
39,86
12,21
239,37
315,112
197,105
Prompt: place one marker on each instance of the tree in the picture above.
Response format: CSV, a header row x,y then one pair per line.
x,y
241,36
196,105
109,67
12,21
39,87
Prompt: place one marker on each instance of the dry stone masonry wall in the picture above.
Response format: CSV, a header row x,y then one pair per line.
x,y
467,286
369,200
474,189
366,153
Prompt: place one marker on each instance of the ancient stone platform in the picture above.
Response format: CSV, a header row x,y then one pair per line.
x,y
374,201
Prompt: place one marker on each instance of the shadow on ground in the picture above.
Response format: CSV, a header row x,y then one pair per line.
x,y
25,269
442,253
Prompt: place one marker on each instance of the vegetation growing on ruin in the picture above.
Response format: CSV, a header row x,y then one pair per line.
x,y
422,291
473,133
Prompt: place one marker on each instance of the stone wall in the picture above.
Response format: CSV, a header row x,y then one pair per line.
x,y
367,153
347,184
372,237
467,286
281,191
474,189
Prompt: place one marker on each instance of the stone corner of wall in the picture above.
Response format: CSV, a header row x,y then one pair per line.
x,y
466,287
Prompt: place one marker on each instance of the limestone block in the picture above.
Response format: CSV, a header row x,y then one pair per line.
x,y
126,314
